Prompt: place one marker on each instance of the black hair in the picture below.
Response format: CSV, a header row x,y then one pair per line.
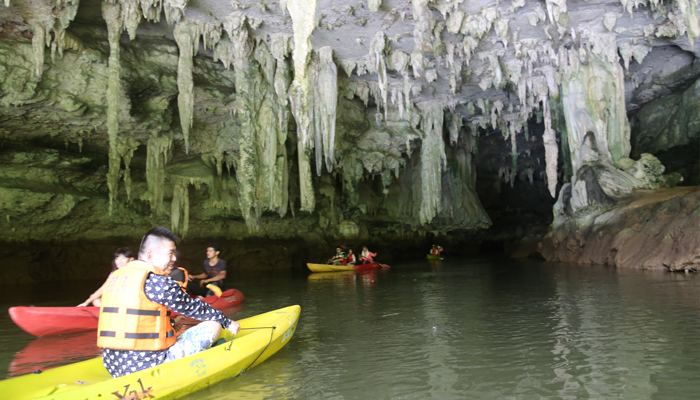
x,y
158,232
215,245
122,251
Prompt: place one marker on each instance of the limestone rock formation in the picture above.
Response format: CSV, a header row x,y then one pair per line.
x,y
650,229
339,120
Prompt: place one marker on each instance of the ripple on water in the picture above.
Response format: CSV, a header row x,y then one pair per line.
x,y
476,329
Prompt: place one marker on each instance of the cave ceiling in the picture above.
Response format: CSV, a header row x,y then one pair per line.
x,y
171,109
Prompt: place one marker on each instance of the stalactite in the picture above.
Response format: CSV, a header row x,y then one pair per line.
x,y
261,90
115,26
455,126
376,63
513,131
468,211
38,46
455,67
372,4
432,160
280,189
689,10
187,37
554,10
594,101
48,29
551,149
258,152
325,105
422,31
119,16
280,48
180,208
247,81
174,10
126,145
632,50
266,114
62,39
157,155
303,13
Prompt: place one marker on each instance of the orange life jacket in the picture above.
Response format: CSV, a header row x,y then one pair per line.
x,y
128,319
435,251
369,256
183,284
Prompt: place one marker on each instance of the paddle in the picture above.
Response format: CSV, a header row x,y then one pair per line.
x,y
217,291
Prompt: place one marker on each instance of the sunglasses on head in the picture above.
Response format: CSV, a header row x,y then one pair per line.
x,y
141,245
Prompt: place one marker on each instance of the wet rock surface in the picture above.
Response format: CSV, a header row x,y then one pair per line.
x,y
648,230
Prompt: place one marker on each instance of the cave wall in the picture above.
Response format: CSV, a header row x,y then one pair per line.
x,y
319,122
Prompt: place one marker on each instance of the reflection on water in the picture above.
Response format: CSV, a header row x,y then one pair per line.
x,y
366,278
52,351
482,328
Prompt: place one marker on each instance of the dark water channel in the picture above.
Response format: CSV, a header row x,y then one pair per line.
x,y
483,328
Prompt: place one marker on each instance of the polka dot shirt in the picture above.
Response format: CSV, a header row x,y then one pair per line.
x,y
162,290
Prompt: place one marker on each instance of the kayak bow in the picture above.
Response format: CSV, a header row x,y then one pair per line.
x,y
260,337
44,321
334,268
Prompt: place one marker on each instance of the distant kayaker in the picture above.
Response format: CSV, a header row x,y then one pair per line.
x,y
436,250
351,259
338,258
135,331
121,257
214,272
367,257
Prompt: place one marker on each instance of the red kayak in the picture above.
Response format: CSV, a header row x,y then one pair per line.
x,y
44,321
48,352
373,265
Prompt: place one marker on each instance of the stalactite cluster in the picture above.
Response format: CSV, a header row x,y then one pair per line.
x,y
417,99
159,152
303,20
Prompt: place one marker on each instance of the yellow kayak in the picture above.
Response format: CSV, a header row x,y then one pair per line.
x,y
329,268
335,268
90,380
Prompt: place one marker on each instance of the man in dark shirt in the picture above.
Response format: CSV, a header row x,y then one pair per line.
x,y
214,269
338,258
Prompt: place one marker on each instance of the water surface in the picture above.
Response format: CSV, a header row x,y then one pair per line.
x,y
481,328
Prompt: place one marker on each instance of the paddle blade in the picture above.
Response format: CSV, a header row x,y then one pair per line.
x,y
214,289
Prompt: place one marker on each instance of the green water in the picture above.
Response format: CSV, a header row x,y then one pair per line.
x,y
484,328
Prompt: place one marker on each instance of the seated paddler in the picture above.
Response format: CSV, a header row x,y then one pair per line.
x,y
339,257
135,329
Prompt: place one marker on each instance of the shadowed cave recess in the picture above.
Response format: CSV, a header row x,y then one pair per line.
x,y
563,130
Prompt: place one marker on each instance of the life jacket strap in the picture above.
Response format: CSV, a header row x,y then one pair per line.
x,y
133,311
136,335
